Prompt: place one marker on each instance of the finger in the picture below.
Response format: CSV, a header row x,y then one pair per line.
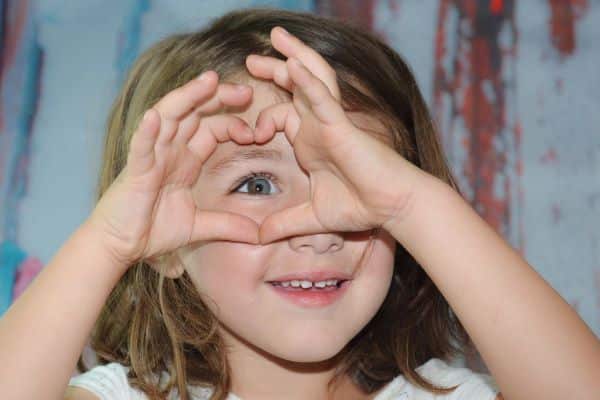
x,y
293,221
180,101
216,225
327,109
190,126
270,68
141,149
276,118
291,46
228,94
199,95
218,129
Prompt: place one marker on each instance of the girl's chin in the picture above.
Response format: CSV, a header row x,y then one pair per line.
x,y
291,343
299,360
303,352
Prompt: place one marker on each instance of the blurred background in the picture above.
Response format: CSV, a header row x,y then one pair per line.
x,y
513,85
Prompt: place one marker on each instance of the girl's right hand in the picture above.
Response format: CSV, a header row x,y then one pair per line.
x,y
149,209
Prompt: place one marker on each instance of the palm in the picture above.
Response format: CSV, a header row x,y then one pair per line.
x,y
171,223
353,175
334,205
329,153
157,211
150,209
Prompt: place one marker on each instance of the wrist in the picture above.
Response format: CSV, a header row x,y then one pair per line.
x,y
426,192
102,246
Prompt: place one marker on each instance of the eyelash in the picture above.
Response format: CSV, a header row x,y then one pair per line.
x,y
252,175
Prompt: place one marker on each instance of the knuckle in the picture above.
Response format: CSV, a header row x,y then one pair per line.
x,y
280,75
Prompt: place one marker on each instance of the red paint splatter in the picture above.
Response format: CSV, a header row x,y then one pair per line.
x,y
549,157
496,6
564,15
556,213
559,84
471,87
13,30
519,167
518,133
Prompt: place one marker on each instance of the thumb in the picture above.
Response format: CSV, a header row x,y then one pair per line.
x,y
217,225
293,221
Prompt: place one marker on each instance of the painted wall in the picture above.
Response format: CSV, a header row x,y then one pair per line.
x,y
514,87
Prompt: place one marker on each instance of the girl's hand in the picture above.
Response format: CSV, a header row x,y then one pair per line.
x,y
357,182
149,209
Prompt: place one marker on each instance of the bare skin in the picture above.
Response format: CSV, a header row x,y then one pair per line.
x,y
432,223
416,209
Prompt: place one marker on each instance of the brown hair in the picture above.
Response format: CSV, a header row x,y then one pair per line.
x,y
155,325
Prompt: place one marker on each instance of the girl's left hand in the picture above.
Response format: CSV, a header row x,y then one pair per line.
x,y
357,182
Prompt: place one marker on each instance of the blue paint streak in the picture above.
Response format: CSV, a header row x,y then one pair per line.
x,y
11,256
27,92
19,168
129,48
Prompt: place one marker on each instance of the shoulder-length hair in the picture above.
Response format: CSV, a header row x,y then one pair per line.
x,y
155,325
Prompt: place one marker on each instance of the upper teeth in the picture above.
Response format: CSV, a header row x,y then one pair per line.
x,y
309,284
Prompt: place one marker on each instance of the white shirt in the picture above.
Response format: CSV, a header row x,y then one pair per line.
x,y
109,382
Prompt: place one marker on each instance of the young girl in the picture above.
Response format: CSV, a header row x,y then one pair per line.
x,y
285,227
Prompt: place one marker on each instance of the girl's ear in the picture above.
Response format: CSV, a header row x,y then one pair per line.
x,y
168,264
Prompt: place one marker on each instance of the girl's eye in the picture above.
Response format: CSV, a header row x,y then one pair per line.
x,y
257,184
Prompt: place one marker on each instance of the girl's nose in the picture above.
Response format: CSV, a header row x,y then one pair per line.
x,y
318,243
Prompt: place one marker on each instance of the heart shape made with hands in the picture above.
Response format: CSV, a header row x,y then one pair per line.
x,y
357,182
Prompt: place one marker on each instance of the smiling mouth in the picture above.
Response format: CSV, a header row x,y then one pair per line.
x,y
297,287
313,296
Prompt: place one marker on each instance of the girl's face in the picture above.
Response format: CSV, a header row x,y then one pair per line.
x,y
233,277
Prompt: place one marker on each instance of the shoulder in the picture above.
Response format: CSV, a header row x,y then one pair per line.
x,y
470,385
109,382
105,382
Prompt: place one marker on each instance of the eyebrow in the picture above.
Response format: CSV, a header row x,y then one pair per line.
x,y
242,155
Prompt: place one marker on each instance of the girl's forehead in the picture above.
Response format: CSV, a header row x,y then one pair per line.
x,y
229,155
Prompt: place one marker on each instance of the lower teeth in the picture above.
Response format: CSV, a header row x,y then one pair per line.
x,y
313,289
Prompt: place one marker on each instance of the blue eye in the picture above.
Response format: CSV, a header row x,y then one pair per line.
x,y
257,183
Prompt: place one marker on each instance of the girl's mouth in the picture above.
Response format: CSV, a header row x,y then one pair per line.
x,y
317,286
313,295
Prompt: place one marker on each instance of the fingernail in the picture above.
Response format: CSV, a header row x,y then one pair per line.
x,y
284,31
203,76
